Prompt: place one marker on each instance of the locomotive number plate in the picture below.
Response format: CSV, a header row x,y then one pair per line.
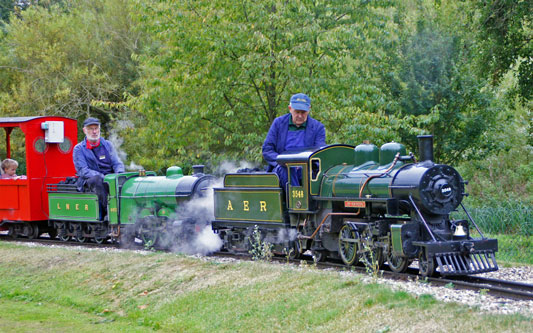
x,y
354,204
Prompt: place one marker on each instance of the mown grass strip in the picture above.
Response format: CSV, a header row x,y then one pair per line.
x,y
129,291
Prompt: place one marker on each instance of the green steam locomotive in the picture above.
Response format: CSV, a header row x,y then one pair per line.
x,y
140,205
357,204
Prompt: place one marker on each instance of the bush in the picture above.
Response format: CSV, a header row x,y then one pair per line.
x,y
503,217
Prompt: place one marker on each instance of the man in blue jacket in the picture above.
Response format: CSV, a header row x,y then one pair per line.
x,y
293,131
94,158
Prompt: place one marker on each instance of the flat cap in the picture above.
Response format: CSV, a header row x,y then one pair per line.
x,y
91,121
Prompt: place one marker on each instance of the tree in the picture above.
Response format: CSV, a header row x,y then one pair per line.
x,y
506,37
6,8
68,59
224,70
438,90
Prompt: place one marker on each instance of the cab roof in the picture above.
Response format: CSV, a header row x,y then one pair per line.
x,y
15,121
305,154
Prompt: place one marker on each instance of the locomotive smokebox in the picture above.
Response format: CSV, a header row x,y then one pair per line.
x,y
425,146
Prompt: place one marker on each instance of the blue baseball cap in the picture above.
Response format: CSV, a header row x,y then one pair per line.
x,y
300,102
91,121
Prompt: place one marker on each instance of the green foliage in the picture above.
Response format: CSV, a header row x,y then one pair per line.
x,y
370,258
260,248
501,183
506,39
6,8
221,72
60,59
435,86
511,217
201,81
514,249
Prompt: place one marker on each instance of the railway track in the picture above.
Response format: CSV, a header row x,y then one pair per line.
x,y
499,288
495,287
49,242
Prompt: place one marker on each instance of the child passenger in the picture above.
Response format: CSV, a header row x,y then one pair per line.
x,y
9,168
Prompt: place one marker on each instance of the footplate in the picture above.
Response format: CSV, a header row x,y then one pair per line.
x,y
466,264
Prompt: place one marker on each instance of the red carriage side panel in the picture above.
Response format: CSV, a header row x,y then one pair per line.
x,y
48,161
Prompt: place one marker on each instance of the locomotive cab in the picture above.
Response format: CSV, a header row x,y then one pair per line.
x,y
306,170
43,147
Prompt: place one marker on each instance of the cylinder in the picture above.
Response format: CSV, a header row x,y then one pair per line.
x,y
425,147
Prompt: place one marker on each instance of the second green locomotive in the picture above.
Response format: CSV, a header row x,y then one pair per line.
x,y
141,205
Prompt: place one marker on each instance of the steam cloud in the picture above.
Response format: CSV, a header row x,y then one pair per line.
x,y
201,211
117,142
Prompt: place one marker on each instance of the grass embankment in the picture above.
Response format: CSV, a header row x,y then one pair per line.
x,y
66,290
513,249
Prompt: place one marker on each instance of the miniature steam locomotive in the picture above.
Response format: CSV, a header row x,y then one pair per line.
x,y
357,204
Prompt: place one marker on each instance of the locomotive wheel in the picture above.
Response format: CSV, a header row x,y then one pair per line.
x,y
319,256
146,231
371,255
64,237
426,267
294,249
397,264
99,240
12,232
81,239
149,238
31,231
347,245
373,258
36,232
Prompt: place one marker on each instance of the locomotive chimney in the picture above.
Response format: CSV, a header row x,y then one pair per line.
x,y
196,169
425,147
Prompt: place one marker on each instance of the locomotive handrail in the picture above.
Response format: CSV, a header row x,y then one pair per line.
x,y
422,217
472,220
396,158
403,187
350,198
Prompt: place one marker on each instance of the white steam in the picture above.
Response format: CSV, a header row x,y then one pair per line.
x,y
232,167
207,241
117,142
202,212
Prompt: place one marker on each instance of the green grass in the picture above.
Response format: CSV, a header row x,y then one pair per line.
x,y
514,249
65,290
504,217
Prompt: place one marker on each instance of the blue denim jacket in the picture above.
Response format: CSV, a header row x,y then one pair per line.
x,y
86,164
315,136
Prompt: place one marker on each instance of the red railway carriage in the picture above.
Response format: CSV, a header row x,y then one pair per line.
x,y
48,143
